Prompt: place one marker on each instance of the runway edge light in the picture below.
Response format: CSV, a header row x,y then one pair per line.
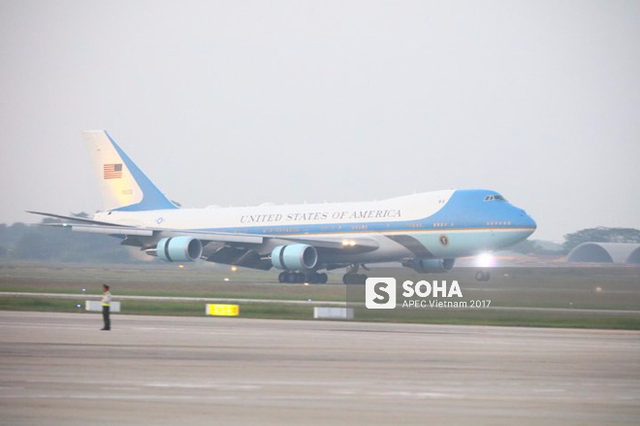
x,y
221,310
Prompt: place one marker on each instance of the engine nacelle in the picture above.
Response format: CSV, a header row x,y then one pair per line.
x,y
179,249
431,266
294,257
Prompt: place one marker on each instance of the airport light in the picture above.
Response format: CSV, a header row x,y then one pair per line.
x,y
485,260
234,268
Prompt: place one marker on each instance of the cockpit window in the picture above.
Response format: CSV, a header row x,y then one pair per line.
x,y
494,198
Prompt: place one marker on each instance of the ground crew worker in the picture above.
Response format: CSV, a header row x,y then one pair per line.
x,y
106,306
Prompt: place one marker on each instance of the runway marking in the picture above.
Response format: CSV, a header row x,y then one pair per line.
x,y
399,394
149,398
121,388
225,387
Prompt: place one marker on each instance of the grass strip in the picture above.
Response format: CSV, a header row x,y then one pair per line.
x,y
275,311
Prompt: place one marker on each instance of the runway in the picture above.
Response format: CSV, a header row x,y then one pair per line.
x,y
60,369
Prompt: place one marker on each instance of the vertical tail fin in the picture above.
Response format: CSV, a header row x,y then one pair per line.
x,y
123,185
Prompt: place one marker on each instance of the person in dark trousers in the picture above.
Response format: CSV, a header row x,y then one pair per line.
x,y
106,304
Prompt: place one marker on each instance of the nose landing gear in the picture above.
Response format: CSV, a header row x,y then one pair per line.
x,y
483,276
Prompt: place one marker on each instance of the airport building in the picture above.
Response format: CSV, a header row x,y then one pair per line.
x,y
619,253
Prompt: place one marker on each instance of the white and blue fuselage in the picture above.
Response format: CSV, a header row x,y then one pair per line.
x,y
436,225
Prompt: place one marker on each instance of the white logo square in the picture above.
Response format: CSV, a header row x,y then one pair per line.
x,y
380,293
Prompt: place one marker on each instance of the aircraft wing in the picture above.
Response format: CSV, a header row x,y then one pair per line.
x,y
334,244
77,219
352,245
79,224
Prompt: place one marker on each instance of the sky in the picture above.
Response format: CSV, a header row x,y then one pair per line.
x,y
246,102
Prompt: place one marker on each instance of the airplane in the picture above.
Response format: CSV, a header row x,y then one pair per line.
x,y
425,231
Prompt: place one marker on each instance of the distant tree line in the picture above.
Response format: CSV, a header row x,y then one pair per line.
x,y
597,235
601,235
55,244
535,247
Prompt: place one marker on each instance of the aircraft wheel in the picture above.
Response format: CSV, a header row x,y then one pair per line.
x,y
314,278
323,278
290,277
483,275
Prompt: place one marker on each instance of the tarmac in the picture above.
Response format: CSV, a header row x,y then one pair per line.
x,y
60,369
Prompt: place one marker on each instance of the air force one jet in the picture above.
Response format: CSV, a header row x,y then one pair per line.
x,y
426,231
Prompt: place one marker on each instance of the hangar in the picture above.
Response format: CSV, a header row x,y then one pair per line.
x,y
625,253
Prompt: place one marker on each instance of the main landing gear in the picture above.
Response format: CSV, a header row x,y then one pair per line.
x,y
310,277
352,276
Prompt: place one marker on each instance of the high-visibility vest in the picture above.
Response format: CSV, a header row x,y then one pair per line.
x,y
106,298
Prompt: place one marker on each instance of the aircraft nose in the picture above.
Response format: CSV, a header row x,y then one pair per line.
x,y
523,220
532,224
527,221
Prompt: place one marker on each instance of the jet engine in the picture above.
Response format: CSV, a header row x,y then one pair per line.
x,y
294,257
179,249
430,266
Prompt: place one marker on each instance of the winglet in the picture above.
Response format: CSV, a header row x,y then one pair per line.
x,y
123,185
